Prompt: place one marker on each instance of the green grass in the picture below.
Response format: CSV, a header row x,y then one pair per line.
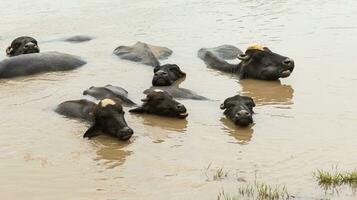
x,y
258,191
335,179
220,174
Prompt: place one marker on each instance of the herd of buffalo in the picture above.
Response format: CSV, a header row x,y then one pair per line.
x,y
107,116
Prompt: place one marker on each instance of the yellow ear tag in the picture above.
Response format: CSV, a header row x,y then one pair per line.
x,y
256,47
106,102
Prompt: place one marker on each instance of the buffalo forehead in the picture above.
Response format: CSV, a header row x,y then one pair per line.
x,y
158,90
256,47
106,102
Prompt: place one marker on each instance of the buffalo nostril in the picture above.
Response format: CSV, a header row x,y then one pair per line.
x,y
162,73
180,107
243,113
130,131
29,45
127,130
287,61
125,133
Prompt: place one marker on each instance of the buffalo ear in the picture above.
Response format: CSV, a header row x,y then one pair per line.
x,y
9,51
223,105
92,132
137,110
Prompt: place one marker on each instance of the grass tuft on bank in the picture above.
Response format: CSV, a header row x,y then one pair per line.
x,y
334,179
257,191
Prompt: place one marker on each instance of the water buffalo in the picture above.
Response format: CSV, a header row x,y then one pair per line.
x,y
143,53
166,75
106,117
239,109
159,102
28,64
26,59
22,45
111,92
256,63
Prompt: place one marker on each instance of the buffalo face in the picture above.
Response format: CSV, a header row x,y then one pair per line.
x,y
109,118
261,63
159,102
166,75
239,109
22,45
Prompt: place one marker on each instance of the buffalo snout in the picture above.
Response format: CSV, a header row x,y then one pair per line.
x,y
125,133
243,118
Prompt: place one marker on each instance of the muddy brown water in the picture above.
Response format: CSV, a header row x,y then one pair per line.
x,y
302,123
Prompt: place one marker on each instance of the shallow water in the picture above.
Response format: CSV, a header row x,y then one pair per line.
x,y
302,123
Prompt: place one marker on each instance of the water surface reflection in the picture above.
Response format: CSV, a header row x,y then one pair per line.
x,y
159,128
243,135
110,152
267,92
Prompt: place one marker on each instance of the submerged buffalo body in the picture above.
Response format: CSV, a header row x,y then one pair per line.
x,y
111,92
35,63
107,117
239,109
159,102
78,39
176,92
143,53
257,62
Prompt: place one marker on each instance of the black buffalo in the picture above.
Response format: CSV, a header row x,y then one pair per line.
x,y
256,63
239,109
159,102
106,117
22,45
166,75
26,59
